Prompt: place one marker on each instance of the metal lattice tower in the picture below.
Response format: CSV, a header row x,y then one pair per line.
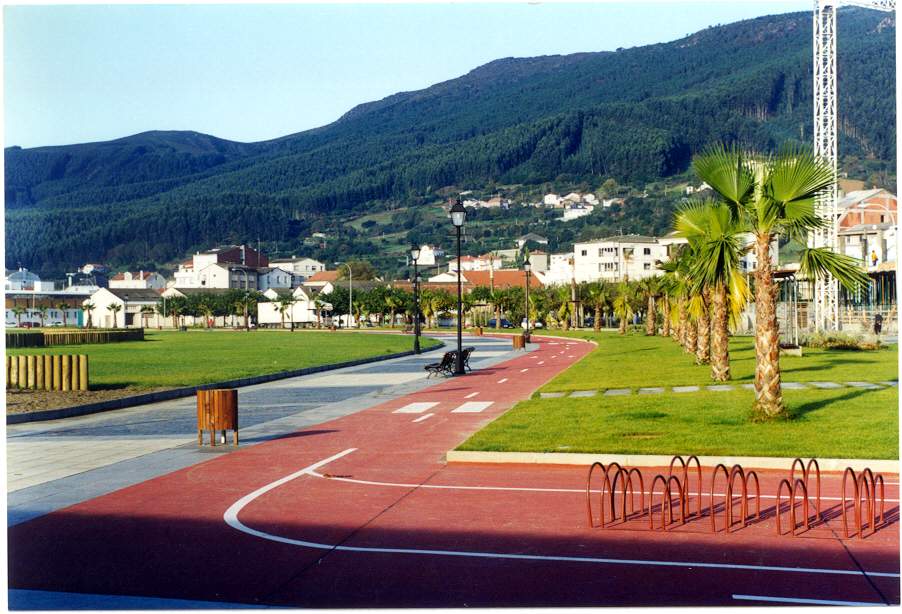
x,y
826,293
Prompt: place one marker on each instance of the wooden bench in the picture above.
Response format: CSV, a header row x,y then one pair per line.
x,y
445,365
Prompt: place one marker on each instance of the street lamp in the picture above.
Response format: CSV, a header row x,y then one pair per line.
x,y
415,255
350,291
247,288
526,268
458,216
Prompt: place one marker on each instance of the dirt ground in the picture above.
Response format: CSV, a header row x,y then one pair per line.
x,y
21,401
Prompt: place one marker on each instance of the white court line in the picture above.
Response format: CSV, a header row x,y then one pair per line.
x,y
801,601
231,518
471,395
524,370
472,407
416,408
541,362
423,417
502,380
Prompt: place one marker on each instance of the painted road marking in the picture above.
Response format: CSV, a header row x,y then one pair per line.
x,y
524,370
424,417
502,380
803,601
472,407
471,395
416,408
231,518
541,362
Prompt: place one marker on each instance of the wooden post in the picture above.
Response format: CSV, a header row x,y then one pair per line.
x,y
83,372
57,372
48,372
74,373
67,368
30,362
13,379
22,381
39,372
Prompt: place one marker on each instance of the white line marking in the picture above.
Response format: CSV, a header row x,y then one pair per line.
x,y
571,356
472,407
471,395
524,370
502,380
416,408
424,417
231,518
803,601
541,362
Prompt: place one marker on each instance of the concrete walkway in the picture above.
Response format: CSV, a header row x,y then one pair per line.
x,y
611,392
58,463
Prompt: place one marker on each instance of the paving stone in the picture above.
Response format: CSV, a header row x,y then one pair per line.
x,y
749,386
794,386
892,384
686,388
825,385
551,395
651,390
865,385
584,393
617,392
719,388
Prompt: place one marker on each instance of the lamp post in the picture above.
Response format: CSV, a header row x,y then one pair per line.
x,y
247,287
458,216
125,311
526,268
415,255
350,292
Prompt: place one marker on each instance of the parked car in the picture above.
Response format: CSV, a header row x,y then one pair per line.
x,y
533,325
504,323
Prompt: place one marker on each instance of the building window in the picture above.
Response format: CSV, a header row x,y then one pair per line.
x,y
647,266
646,251
584,253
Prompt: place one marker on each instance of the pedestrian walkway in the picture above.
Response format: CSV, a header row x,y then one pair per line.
x,y
609,392
57,463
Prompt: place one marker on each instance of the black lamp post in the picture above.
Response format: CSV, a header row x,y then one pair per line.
x,y
415,255
526,268
458,216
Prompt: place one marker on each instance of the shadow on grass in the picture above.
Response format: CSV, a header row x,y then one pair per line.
x,y
798,411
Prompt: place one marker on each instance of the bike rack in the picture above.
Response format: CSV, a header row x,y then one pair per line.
x,y
592,524
609,488
791,490
806,472
865,491
666,492
698,470
731,475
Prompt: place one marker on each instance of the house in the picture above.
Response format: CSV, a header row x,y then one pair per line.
x,y
559,271
618,257
538,261
58,307
590,198
320,279
132,304
141,279
303,310
531,237
573,198
274,277
576,212
868,226
233,266
23,279
430,255
301,268
501,278
551,200
608,202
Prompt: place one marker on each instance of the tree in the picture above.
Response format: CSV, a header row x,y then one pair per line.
x,y
114,309
42,314
774,196
650,289
63,307
362,270
285,302
146,312
18,311
598,296
623,308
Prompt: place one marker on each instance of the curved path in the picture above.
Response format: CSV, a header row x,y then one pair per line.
x,y
362,511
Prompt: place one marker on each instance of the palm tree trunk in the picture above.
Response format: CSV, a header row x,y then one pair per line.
x,y
720,340
683,321
768,392
691,337
665,321
622,329
651,317
703,347
596,325
497,316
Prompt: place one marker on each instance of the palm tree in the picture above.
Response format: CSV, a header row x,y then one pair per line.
x,y
650,289
774,196
285,303
42,313
623,308
598,296
563,306
664,300
63,307
146,312
205,305
114,309
18,311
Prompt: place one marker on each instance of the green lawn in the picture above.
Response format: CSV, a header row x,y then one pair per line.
x,y
636,360
170,359
848,423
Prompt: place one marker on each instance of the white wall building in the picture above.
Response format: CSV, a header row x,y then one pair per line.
x,y
141,279
274,277
429,255
301,268
619,257
576,212
130,301
551,200
23,279
302,311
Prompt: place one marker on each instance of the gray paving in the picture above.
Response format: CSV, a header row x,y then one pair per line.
x,y
749,386
685,388
865,385
719,388
651,390
891,384
551,395
584,393
794,386
825,385
266,411
617,392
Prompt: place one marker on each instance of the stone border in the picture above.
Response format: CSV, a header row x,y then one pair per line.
x,y
187,391
657,460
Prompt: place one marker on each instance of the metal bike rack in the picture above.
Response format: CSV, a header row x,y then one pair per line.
x,y
698,470
609,487
731,475
806,474
791,490
666,495
865,491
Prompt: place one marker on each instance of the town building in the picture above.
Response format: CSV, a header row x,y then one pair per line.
x,y
233,266
307,302
22,279
274,277
576,211
141,279
619,257
868,226
321,279
136,308
301,268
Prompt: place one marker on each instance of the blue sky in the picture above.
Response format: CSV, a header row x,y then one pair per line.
x,y
253,72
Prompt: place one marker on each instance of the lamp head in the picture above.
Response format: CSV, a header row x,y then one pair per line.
x,y
414,252
527,266
458,214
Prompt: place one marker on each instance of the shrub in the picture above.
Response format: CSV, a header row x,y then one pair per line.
x,y
840,341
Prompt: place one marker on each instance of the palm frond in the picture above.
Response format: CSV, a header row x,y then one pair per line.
x,y
818,262
726,171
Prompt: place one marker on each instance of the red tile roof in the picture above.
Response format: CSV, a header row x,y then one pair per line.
x,y
503,278
324,276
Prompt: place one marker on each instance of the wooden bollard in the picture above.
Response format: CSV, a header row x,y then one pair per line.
x,y
73,372
22,382
39,372
48,372
32,371
83,372
67,368
57,372
13,380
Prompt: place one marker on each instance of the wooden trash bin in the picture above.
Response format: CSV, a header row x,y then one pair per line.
x,y
479,331
519,342
217,410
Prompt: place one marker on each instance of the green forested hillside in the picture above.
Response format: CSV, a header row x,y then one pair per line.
x,y
636,115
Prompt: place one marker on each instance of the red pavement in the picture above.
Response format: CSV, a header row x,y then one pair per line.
x,y
374,527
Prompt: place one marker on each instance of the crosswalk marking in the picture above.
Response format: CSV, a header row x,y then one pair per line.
x,y
471,395
523,370
472,407
502,380
416,408
424,417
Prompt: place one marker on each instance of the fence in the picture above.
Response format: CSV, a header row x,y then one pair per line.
x,y
65,372
72,337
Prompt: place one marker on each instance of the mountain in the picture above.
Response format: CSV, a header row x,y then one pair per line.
x,y
636,115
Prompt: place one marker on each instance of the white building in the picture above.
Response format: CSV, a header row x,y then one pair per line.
x,y
141,280
429,255
620,257
274,277
551,200
559,271
23,279
233,266
475,263
133,305
302,311
576,212
301,268
590,198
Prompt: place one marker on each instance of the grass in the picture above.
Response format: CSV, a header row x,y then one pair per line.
x,y
636,360
171,359
848,423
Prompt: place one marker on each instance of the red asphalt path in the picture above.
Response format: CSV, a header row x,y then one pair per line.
x,y
372,527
